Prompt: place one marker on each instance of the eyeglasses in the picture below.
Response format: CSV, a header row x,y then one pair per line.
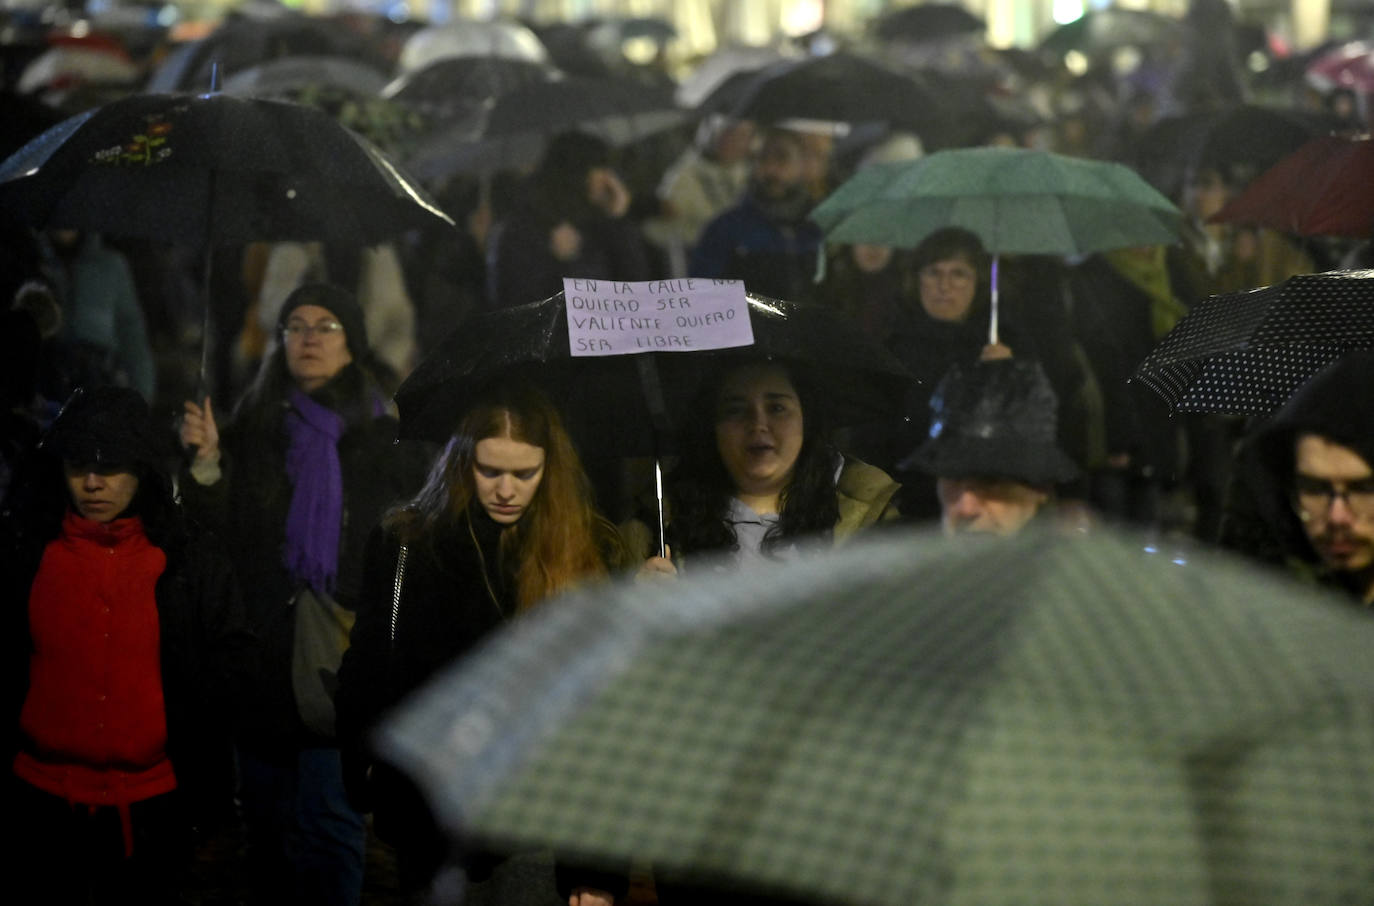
x,y
298,331
1312,497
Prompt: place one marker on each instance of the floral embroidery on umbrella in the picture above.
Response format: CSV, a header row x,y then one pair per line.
x,y
148,147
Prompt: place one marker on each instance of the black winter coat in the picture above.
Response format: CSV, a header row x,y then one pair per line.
x,y
248,506
445,608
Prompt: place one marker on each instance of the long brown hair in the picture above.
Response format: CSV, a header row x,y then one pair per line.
x,y
561,538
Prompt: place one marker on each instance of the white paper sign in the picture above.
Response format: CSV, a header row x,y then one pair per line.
x,y
610,317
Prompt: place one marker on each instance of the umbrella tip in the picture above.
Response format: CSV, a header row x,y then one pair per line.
x,y
214,77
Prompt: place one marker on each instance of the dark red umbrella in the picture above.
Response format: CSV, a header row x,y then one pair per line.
x,y
1325,188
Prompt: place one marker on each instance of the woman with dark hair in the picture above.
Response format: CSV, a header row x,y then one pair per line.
x,y
504,521
759,475
128,661
294,485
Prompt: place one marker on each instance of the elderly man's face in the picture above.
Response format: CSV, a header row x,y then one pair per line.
x,y
989,506
1333,495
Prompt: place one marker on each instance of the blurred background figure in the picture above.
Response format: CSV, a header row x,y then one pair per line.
x,y
765,239
571,222
102,315
706,178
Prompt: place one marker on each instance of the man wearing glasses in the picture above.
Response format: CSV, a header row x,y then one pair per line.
x,y
1320,449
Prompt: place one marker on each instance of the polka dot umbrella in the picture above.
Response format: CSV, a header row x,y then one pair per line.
x,y
910,720
1246,353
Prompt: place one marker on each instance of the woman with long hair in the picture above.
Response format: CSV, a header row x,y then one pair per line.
x,y
759,474
304,470
504,521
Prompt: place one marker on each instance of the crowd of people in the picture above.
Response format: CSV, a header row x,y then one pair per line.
x,y
217,591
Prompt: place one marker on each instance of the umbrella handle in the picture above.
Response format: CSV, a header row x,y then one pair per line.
x,y
652,387
992,318
658,493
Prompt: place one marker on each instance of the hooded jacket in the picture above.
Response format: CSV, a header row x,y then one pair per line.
x,y
1337,403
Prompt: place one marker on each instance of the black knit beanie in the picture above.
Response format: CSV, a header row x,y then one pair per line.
x,y
340,303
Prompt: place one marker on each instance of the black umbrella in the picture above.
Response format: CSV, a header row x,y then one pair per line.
x,y
211,169
1246,353
841,88
927,22
1241,142
1101,31
510,130
606,398
913,720
454,87
242,42
631,405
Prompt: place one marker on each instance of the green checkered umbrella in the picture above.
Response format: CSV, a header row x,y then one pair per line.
x,y
1016,200
907,721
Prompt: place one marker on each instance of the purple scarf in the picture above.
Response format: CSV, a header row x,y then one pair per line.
x,y
314,520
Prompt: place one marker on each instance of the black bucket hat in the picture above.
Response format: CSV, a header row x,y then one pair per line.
x,y
994,420
108,426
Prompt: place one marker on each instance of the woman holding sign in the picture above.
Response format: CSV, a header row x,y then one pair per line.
x,y
760,476
504,521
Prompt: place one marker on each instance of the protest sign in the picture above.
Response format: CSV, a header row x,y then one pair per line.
x,y
610,317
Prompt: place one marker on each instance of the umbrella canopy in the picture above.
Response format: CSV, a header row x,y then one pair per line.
x,y
1102,31
1241,142
243,42
470,38
927,22
1321,189
604,396
287,75
910,720
457,86
1246,353
211,169
1349,66
839,88
1016,200
510,131
62,67
719,66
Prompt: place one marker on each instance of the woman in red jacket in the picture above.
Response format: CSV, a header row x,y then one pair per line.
x,y
133,632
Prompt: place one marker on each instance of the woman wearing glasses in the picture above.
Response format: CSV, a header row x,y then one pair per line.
x,y
293,485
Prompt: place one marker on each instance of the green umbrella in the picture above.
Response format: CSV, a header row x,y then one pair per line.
x,y
1018,201
913,720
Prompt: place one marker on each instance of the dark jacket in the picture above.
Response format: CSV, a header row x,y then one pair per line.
x,y
1337,403
773,259
521,268
247,507
445,608
1112,319
206,653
